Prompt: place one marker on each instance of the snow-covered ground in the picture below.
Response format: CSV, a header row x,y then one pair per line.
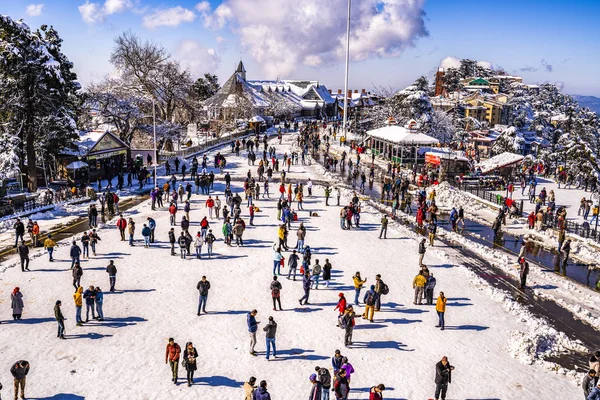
x,y
123,357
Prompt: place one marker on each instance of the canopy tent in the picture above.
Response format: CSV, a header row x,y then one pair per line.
x,y
391,140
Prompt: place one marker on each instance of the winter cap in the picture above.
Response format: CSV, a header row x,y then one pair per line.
x,y
313,377
341,295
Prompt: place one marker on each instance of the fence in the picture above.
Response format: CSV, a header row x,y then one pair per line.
x,y
18,206
486,195
584,230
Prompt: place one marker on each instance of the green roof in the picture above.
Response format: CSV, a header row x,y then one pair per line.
x,y
479,81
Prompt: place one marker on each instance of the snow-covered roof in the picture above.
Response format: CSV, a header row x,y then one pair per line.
x,y
400,135
501,160
256,118
445,154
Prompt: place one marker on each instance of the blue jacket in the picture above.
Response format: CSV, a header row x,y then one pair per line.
x,y
99,297
594,394
146,231
89,296
252,325
151,223
261,394
306,282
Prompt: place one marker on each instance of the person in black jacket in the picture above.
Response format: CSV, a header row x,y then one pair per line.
x,y
589,382
190,354
443,376
271,330
203,287
172,240
77,273
111,269
23,251
496,227
19,372
60,319
19,231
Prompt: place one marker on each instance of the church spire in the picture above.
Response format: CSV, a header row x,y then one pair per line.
x,y
241,70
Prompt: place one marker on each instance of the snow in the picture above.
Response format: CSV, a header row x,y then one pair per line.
x,y
400,135
489,339
499,161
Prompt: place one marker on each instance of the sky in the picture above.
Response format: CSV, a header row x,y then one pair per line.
x,y
393,42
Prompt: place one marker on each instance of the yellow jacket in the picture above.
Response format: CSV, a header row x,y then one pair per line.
x,y
78,297
440,305
419,281
358,283
281,233
49,243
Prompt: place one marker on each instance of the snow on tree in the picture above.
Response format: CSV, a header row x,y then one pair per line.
x,y
281,107
9,157
442,126
413,103
510,140
205,87
39,99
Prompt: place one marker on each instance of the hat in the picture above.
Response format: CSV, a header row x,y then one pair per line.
x,y
341,294
313,377
372,287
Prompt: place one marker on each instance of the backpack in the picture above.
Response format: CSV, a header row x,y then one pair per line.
x,y
342,322
386,289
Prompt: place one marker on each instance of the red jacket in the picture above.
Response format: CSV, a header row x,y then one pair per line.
x,y
204,223
341,305
172,209
210,203
172,353
281,189
374,395
122,223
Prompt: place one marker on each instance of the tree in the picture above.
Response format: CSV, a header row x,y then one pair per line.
x,y
442,126
509,141
39,99
452,79
206,87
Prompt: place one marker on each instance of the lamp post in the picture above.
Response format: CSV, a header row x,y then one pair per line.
x,y
344,125
155,151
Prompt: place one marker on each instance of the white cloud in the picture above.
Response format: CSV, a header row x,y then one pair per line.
x,y
34,10
485,64
203,6
450,62
91,12
283,34
174,16
199,59
220,39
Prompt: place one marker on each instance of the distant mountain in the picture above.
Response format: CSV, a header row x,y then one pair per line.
x,y
591,102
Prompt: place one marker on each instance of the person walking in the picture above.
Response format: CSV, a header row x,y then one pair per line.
x,y
429,288
370,301
75,254
422,250
49,245
90,298
590,381
85,245
316,274
381,289
327,272
276,293
293,264
440,308
261,393
277,257
209,240
443,376
172,240
198,242
347,323
60,319
252,328
376,392
306,284
270,331
19,371
94,239
19,231
35,234
172,358
152,226
190,354
16,303
122,225
358,284
77,273
341,387
203,288
316,389
78,299
341,304
182,242
111,269
249,388
23,251
384,225
523,272
419,287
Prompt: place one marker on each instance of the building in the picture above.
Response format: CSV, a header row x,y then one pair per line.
x,y
497,109
440,88
243,98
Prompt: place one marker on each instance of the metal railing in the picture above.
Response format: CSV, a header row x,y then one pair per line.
x,y
486,194
164,155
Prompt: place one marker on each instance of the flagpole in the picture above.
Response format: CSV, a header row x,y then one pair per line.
x,y
345,122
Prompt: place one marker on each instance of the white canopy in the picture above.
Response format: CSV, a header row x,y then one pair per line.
x,y
400,135
76,165
501,160
256,118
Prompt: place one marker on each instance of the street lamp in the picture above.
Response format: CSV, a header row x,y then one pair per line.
x,y
345,122
155,151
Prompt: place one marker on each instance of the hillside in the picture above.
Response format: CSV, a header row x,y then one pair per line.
x,y
591,102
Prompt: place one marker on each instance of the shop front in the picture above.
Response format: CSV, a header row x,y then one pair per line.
x,y
107,157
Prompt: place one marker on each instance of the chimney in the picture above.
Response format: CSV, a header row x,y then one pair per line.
x,y
339,91
355,90
362,91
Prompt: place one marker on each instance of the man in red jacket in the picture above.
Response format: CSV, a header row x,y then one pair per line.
x,y
376,392
173,212
210,203
172,357
122,225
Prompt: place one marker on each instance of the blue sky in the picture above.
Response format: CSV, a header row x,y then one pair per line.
x,y
543,41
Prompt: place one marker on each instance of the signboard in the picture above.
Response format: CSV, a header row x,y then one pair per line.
x,y
107,155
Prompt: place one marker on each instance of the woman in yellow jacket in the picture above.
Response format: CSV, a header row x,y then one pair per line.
x,y
299,198
49,245
78,298
358,284
440,307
